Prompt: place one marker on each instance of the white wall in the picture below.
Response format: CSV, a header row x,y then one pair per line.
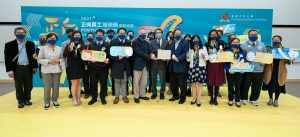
x,y
284,13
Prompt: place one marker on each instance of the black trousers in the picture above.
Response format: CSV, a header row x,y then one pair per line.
x,y
214,91
255,81
96,75
234,86
69,81
86,82
178,80
23,83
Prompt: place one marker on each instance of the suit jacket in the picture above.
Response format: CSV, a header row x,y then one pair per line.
x,y
141,54
154,47
119,66
182,65
103,47
11,50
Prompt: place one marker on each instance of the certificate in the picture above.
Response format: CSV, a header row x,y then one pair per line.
x,y
164,54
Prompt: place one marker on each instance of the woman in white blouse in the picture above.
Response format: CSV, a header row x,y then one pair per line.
x,y
197,69
51,59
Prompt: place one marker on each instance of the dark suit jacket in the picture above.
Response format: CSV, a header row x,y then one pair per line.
x,y
103,47
182,65
141,54
119,66
11,50
154,47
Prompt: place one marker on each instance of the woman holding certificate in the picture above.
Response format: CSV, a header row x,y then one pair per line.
x,y
197,72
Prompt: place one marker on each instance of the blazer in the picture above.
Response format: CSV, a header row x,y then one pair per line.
x,y
103,47
11,50
182,65
119,66
141,54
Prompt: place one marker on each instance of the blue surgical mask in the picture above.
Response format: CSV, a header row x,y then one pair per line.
x,y
219,37
77,38
235,45
177,37
42,41
142,36
122,36
151,38
214,37
253,38
20,36
196,42
171,37
52,41
130,36
99,38
90,39
110,36
276,43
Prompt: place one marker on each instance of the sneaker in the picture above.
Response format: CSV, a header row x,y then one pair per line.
x,y
270,103
244,102
55,104
230,103
47,106
254,103
238,104
275,103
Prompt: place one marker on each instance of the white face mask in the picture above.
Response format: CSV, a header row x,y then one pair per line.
x,y
158,36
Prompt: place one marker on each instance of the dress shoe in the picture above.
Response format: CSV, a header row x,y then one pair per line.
x,y
144,98
21,105
181,101
86,96
28,103
193,101
125,99
103,102
153,96
116,101
162,96
173,99
136,100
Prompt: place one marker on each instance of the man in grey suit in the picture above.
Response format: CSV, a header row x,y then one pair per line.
x,y
158,66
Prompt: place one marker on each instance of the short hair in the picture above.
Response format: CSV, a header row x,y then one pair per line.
x,y
69,30
42,34
19,28
110,31
130,31
234,39
278,36
121,29
100,30
221,31
252,30
150,33
89,34
177,30
158,29
50,35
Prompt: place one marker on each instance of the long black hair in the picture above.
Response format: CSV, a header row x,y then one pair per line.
x,y
192,45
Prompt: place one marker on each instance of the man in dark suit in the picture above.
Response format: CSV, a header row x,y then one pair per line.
x,y
120,67
20,65
158,66
99,70
178,67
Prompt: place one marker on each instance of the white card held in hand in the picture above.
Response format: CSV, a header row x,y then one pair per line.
x,y
164,54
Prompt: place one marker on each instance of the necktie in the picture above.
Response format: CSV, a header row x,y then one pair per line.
x,y
158,43
253,44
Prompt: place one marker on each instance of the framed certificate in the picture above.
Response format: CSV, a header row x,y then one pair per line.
x,y
164,54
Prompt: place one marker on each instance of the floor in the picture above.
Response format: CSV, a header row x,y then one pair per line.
x,y
149,118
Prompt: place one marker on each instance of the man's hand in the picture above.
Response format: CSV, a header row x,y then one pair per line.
x,y
174,58
106,61
152,56
11,75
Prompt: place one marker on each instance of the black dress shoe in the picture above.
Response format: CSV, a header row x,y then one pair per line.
x,y
193,102
86,96
173,99
211,102
136,100
162,96
198,104
21,105
181,101
153,96
28,103
70,96
103,101
92,102
144,98
215,102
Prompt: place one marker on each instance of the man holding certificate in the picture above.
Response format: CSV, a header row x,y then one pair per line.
x,y
161,47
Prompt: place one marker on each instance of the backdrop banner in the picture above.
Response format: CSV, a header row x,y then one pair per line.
x,y
36,20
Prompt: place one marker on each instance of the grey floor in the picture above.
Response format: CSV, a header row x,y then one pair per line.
x,y
291,88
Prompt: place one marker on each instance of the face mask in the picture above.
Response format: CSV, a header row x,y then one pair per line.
x,y
235,45
276,43
219,37
20,36
196,42
42,41
52,41
77,38
188,40
99,38
130,36
171,37
122,36
90,39
214,37
110,36
178,37
158,36
142,36
151,38
253,38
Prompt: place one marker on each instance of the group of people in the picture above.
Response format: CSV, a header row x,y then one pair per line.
x,y
188,69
